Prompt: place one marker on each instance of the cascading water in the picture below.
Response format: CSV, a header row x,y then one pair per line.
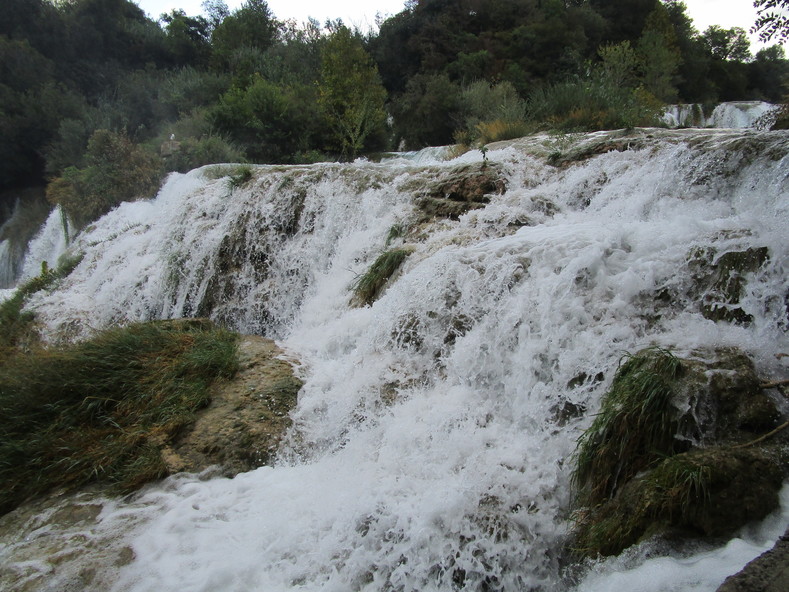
x,y
738,115
432,441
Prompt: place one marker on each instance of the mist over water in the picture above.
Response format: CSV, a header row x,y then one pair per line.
x,y
432,441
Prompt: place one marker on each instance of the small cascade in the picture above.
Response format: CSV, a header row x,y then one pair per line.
x,y
25,220
47,246
733,115
433,438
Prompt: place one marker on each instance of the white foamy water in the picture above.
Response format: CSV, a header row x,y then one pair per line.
x,y
734,115
47,246
429,451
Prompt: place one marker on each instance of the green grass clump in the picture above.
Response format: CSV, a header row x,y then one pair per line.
x,y
369,285
674,494
635,427
240,177
101,410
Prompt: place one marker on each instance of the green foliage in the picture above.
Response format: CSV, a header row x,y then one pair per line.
x,y
350,92
252,26
659,55
772,20
428,111
727,44
592,104
193,153
492,113
272,122
367,288
240,177
618,64
98,410
635,427
116,171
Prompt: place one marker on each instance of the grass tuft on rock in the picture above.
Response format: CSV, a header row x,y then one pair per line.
x,y
369,286
634,428
101,410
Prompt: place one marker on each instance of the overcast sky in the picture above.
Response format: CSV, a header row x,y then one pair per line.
x,y
361,13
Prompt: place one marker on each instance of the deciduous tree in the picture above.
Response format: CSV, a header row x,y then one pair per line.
x,y
350,91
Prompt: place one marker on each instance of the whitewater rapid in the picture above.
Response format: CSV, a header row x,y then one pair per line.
x,y
432,441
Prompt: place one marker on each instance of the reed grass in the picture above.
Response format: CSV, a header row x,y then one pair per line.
x,y
634,428
100,410
369,285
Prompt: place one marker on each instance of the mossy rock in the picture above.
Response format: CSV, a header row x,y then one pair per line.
x,y
723,398
700,493
706,479
241,428
563,159
463,189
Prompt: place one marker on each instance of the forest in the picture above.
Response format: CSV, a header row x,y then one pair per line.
x,y
98,102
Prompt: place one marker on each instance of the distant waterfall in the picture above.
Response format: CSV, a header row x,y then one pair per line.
x,y
737,115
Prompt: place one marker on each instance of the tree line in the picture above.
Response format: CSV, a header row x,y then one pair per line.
x,y
98,101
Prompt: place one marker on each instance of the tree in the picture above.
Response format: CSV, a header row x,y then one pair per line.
x,y
772,20
187,37
350,91
251,26
659,55
117,171
731,45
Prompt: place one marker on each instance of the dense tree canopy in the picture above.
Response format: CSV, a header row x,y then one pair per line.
x,y
243,85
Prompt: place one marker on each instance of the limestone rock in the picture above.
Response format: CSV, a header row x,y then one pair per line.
x,y
242,426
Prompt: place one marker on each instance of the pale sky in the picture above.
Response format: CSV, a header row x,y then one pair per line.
x,y
361,13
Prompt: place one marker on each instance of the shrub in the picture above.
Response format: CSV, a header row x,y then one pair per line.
x,y
240,177
493,113
117,171
592,104
100,410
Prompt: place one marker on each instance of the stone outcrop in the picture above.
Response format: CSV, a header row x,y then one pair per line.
x,y
242,427
767,573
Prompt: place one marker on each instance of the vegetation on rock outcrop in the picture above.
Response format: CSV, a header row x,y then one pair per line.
x,y
673,452
100,410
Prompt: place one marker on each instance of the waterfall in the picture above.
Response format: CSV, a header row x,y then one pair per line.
x,y
25,219
736,115
432,441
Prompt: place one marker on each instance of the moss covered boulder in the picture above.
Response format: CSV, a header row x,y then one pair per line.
x,y
676,451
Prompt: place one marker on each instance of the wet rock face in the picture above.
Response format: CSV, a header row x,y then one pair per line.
x,y
720,281
242,427
767,573
463,189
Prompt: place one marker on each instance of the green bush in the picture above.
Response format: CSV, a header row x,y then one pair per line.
x,y
100,410
492,113
117,170
590,104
